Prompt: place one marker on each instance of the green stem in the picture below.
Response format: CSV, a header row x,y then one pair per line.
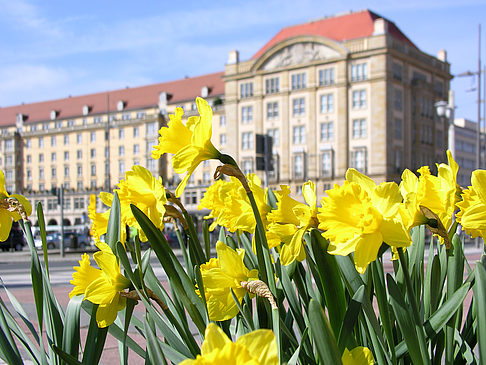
x,y
413,301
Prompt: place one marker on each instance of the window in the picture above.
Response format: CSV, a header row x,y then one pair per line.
x,y
246,90
190,197
67,203
359,72
247,167
79,154
246,140
274,133
53,172
326,164
29,158
299,134
41,174
141,115
79,185
28,143
398,160
398,99
358,159
41,157
92,153
298,166
97,120
327,131
327,103
222,139
398,128
92,184
151,129
136,149
136,132
66,155
246,114
121,151
121,133
53,141
66,171
222,120
29,175
107,152
272,110
121,167
41,142
326,77
79,138
66,139
9,161
92,137
359,99
70,123
9,145
359,128
78,203
93,169
298,106
80,170
206,177
397,71
298,81
51,204
272,85
136,162
53,156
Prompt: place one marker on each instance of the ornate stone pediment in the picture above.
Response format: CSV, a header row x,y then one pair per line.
x,y
299,53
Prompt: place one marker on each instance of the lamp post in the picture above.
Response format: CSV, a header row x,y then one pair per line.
x,y
445,109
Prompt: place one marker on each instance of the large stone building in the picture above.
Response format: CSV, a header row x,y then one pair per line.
x,y
345,91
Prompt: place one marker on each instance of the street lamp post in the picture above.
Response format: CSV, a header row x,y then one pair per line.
x,y
445,109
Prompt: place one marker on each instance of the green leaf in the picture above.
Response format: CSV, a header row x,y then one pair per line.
x,y
479,291
155,353
67,358
96,337
207,240
330,279
8,348
71,338
406,322
323,336
43,234
113,233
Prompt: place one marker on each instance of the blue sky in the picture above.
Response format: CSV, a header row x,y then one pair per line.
x,y
52,49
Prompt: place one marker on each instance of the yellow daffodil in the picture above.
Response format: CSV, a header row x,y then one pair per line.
x,y
230,205
357,356
139,188
360,215
472,213
222,274
214,198
147,193
190,143
101,286
256,348
290,221
7,214
437,193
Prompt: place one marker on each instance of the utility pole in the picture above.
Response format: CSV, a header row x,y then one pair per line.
x,y
61,198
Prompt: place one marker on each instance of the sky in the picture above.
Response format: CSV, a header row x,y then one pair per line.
x,y
53,49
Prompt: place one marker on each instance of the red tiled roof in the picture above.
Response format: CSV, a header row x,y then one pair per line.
x,y
136,97
339,28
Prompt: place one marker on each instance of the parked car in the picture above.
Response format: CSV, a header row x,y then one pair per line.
x,y
72,240
15,241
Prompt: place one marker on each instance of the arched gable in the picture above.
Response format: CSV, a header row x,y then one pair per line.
x,y
299,50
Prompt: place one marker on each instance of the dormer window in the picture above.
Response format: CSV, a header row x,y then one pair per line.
x,y
163,97
204,92
20,118
86,109
53,114
120,105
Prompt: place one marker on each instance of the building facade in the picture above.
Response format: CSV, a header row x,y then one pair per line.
x,y
344,91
